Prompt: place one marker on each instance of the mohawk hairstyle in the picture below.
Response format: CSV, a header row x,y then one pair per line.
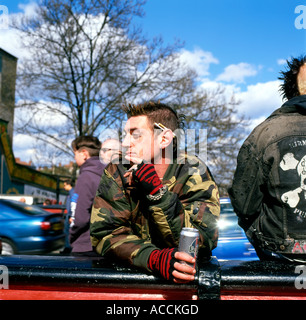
x,y
156,112
290,88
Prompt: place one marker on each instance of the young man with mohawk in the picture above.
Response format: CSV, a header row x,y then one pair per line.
x,y
141,207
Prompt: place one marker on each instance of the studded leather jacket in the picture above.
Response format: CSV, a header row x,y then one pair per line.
x,y
269,187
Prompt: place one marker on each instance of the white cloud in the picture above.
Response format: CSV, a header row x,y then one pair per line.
x,y
24,147
260,100
257,102
281,61
229,89
29,9
10,39
10,42
55,115
237,72
199,60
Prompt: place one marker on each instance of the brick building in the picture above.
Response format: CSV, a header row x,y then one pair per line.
x,y
15,177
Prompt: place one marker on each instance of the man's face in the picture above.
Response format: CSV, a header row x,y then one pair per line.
x,y
67,186
110,150
140,142
301,80
79,157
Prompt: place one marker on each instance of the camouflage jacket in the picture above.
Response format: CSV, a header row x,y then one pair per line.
x,y
127,226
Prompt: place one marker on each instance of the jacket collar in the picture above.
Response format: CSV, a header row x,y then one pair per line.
x,y
92,164
294,105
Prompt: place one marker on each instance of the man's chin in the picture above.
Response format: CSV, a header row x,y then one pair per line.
x,y
133,160
128,158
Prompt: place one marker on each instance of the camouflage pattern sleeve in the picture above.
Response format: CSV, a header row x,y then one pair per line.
x,y
193,202
128,227
116,229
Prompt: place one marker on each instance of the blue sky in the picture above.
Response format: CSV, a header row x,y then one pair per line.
x,y
239,44
254,31
259,32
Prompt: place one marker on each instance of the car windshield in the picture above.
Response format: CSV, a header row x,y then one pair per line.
x,y
226,208
26,208
228,223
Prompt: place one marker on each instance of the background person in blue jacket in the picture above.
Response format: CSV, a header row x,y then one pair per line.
x,y
86,151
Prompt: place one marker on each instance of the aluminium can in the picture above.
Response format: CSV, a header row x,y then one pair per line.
x,y
189,242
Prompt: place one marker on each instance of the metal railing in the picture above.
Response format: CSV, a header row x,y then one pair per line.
x,y
69,277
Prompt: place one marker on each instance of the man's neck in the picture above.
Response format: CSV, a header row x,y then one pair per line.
x,y
161,169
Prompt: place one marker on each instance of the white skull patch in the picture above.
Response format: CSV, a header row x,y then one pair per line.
x,y
292,197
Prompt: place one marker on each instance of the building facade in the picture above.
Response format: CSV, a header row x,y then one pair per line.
x,y
8,70
16,178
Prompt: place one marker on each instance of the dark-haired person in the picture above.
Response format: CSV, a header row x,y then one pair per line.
x,y
269,186
86,153
143,203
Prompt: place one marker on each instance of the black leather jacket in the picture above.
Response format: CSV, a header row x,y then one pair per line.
x,y
269,186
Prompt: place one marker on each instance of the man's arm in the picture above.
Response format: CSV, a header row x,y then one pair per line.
x,y
245,193
192,202
114,229
114,233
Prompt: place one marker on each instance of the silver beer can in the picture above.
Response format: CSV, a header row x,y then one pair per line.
x,y
189,242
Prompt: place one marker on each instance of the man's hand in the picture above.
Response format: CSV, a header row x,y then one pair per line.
x,y
183,272
145,176
168,263
129,174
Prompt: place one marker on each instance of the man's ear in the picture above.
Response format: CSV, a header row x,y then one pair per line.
x,y
85,154
166,138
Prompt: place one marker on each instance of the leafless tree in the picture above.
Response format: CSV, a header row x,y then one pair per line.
x,y
216,114
86,58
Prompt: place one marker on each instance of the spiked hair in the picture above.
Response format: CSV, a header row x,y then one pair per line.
x,y
156,112
290,87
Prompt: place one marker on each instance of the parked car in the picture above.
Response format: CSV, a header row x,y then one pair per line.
x,y
54,208
26,229
233,243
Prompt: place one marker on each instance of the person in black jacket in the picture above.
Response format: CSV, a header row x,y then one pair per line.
x,y
86,150
269,186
